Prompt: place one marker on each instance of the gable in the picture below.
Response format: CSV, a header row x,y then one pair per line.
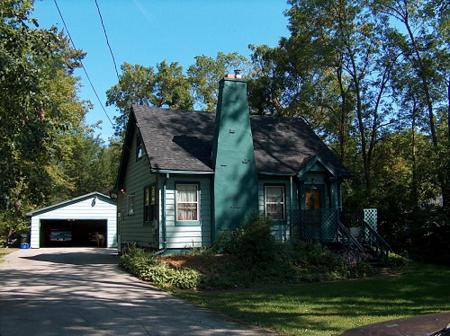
x,y
92,200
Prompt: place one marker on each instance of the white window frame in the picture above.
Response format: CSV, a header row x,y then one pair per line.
x,y
283,202
177,202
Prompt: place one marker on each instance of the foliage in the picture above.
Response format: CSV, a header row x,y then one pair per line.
x,y
319,309
166,85
37,104
149,268
163,86
206,73
48,153
252,243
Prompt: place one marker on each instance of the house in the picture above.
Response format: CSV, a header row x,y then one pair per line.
x,y
87,220
185,177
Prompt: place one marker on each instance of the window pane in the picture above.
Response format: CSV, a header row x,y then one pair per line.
x,y
274,211
187,193
187,211
153,195
146,196
130,204
274,194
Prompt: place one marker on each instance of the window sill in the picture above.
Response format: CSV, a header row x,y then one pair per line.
x,y
187,223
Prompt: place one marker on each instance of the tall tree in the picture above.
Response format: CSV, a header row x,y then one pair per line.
x,y
38,103
333,70
165,86
420,33
206,73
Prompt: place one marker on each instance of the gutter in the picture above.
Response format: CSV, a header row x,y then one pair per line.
x,y
190,172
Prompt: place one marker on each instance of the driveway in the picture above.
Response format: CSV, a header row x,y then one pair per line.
x,y
82,292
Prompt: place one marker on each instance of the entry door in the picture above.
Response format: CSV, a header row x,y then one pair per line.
x,y
312,216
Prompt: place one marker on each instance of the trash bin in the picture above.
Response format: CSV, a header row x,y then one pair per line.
x,y
24,246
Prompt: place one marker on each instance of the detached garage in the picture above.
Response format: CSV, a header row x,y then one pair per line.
x,y
85,221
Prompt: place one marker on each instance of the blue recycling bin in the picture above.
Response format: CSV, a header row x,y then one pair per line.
x,y
24,246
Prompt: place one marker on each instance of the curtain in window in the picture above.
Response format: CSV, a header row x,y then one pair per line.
x,y
187,202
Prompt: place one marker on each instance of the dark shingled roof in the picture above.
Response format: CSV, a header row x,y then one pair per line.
x,y
180,140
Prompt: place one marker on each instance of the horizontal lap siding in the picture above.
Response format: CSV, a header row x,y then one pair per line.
x,y
132,228
280,230
180,236
82,210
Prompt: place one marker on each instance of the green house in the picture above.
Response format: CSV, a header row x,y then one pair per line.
x,y
185,177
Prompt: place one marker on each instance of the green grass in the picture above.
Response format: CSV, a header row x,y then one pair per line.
x,y
333,307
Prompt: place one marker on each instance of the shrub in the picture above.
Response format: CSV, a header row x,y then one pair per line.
x,y
149,268
253,244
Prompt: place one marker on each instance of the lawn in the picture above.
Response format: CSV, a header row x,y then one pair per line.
x,y
331,308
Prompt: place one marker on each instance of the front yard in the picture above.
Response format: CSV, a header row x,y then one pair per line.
x,y
330,308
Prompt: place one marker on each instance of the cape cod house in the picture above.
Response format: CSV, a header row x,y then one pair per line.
x,y
185,177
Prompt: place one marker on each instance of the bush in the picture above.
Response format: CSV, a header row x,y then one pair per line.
x,y
149,268
253,244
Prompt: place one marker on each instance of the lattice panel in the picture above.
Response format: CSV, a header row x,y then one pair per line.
x,y
318,225
371,217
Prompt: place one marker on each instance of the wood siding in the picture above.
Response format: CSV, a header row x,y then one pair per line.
x,y
84,209
131,228
186,236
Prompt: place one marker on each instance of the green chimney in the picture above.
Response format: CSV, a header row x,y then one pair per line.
x,y
235,177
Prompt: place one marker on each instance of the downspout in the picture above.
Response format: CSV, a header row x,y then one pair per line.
x,y
163,213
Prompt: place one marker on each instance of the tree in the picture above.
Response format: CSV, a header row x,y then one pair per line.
x,y
423,44
165,86
38,103
206,73
334,71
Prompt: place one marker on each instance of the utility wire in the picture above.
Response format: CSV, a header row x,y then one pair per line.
x,y
107,39
82,65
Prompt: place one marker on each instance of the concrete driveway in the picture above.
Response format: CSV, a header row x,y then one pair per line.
x,y
82,292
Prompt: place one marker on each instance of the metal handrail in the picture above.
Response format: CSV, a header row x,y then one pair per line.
x,y
377,239
344,230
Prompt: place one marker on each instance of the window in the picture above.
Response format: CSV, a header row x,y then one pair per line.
x,y
139,147
187,202
274,202
130,205
149,203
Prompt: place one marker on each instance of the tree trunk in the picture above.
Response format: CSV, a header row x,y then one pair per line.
x,y
445,185
414,188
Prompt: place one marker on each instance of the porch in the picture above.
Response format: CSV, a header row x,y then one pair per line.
x,y
329,225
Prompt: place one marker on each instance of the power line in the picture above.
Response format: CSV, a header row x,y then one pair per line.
x,y
82,65
107,39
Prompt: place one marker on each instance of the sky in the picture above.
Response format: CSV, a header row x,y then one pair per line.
x,y
149,31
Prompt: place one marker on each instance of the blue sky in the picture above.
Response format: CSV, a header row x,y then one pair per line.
x,y
149,31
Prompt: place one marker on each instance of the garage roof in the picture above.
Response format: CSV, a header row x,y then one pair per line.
x,y
71,201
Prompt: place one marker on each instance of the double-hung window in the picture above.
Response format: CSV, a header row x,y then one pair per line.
x,y
187,205
274,202
149,203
